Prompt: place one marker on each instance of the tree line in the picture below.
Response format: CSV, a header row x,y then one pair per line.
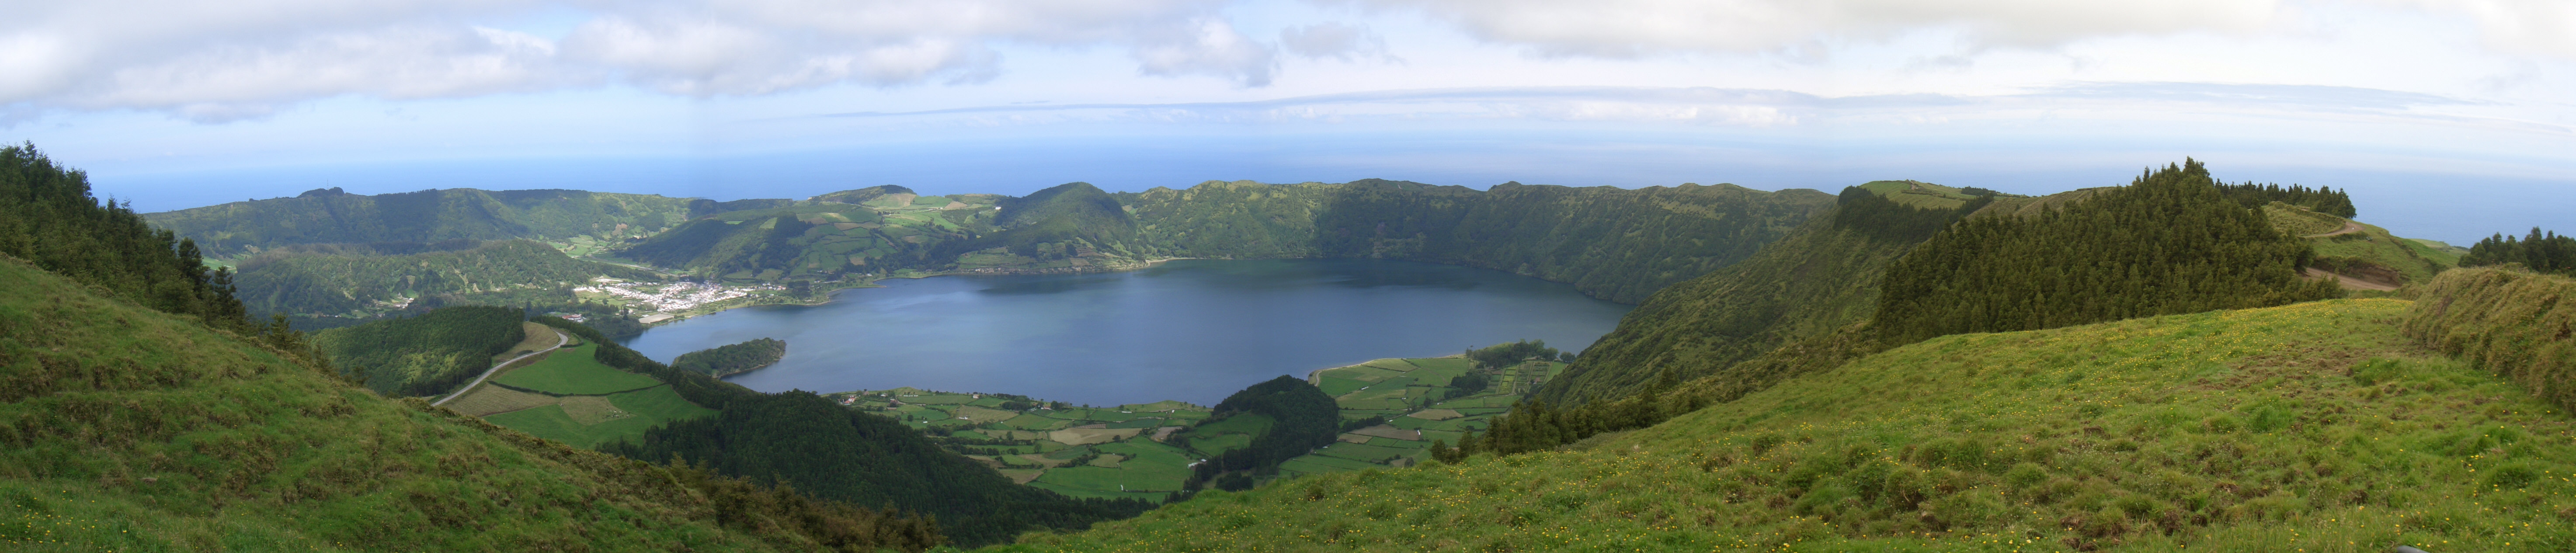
x,y
1302,417
2320,199
2171,242
2542,251
423,355
732,359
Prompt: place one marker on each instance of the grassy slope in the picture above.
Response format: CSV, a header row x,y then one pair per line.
x,y
2409,261
2312,427
572,371
128,429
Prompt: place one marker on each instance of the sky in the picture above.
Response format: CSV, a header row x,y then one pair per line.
x,y
2448,120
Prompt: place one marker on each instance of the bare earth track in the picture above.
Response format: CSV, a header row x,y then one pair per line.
x,y
560,340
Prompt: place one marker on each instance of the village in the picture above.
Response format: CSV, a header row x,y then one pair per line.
x,y
669,299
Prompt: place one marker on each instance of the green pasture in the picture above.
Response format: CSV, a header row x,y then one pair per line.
x,y
1233,432
1323,464
1367,453
1149,471
571,371
650,407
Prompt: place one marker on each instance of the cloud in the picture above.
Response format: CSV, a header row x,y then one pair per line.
x,y
1633,28
1209,46
1335,40
1756,108
1629,28
233,60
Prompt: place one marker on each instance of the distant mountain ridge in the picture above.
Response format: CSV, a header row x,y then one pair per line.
x,y
329,216
1617,244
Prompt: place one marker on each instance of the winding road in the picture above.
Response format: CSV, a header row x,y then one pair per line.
x,y
560,340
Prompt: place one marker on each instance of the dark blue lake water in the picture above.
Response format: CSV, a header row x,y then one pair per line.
x,y
1190,330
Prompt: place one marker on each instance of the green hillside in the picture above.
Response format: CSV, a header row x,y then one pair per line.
x,y
367,280
429,354
808,240
329,216
127,429
2314,427
1818,279
1617,244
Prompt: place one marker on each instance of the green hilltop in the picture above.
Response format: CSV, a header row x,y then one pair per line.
x,y
2318,426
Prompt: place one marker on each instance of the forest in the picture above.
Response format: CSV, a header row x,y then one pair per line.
x,y
732,359
330,216
358,280
1813,282
1302,419
2320,199
424,355
2169,242
2542,251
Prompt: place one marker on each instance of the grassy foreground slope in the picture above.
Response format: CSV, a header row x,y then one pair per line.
x,y
127,429
2310,427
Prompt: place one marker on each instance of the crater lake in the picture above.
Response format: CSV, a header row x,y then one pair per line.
x,y
1188,330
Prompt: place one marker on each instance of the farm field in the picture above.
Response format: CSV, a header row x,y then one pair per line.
x,y
571,371
587,421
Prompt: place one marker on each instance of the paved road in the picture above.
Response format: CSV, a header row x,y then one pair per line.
x,y
560,340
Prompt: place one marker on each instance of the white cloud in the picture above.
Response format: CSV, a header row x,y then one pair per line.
x,y
1334,39
1632,28
232,60
1209,46
1627,28
216,62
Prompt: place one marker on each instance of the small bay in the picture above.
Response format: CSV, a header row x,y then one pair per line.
x,y
1189,330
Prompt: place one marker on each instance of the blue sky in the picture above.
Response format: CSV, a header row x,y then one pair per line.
x,y
2449,120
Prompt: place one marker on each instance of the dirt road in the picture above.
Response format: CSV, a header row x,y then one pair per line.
x,y
560,340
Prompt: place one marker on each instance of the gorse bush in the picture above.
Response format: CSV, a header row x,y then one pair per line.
x,y
2518,324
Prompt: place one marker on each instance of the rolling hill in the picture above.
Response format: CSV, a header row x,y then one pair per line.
x,y
2318,426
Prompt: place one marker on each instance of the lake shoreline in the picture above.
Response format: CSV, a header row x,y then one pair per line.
x,y
1179,332
826,295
